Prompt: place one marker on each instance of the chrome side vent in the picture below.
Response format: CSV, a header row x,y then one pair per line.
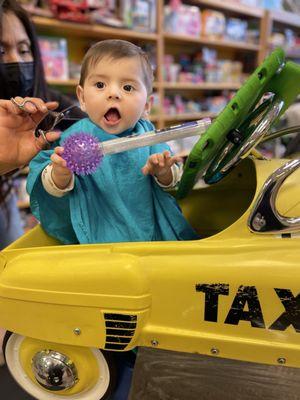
x,y
120,329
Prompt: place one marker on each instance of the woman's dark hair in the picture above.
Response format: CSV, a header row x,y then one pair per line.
x,y
40,86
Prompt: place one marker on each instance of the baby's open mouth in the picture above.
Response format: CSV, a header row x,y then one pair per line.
x,y
112,115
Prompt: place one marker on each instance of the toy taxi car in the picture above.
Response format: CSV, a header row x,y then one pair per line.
x,y
68,308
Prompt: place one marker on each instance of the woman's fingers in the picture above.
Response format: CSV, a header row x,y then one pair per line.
x,y
52,136
51,105
31,105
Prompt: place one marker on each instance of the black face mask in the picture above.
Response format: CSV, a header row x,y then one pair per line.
x,y
19,79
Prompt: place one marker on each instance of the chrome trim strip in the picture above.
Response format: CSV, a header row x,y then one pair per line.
x,y
264,217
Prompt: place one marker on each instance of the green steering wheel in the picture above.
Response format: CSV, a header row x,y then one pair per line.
x,y
244,122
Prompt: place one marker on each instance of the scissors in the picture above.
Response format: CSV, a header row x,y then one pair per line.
x,y
50,121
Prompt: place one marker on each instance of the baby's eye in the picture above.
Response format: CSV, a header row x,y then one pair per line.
x,y
128,88
100,85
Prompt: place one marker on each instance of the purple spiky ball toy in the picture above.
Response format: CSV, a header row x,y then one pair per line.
x,y
82,153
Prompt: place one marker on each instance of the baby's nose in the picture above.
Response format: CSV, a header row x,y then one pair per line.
x,y
114,93
114,96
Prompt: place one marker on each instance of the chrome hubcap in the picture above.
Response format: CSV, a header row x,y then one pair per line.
x,y
53,370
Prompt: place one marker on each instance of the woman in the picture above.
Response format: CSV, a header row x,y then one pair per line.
x,y
21,74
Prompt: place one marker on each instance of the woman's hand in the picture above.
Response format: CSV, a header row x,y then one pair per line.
x,y
159,165
18,144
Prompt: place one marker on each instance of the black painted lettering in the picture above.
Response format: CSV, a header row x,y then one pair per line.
x,y
291,315
212,293
246,294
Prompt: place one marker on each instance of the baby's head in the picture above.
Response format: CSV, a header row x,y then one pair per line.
x,y
115,85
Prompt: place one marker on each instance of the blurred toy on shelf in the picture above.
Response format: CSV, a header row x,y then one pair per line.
x,y
272,4
37,7
74,70
182,19
105,12
213,24
155,109
253,32
236,29
183,146
54,52
178,104
77,11
288,39
144,15
201,67
292,6
139,15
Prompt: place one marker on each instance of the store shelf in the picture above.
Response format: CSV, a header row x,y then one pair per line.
x,y
290,53
72,29
286,18
201,86
224,5
188,116
295,53
169,37
163,41
74,82
60,82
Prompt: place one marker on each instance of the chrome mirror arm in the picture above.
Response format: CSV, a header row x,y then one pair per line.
x,y
262,129
281,132
264,217
253,131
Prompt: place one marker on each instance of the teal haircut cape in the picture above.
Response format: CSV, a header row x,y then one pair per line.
x,y
117,203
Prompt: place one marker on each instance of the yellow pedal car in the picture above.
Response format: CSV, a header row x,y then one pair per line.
x,y
235,293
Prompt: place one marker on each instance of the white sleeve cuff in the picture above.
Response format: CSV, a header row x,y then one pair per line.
x,y
176,172
50,186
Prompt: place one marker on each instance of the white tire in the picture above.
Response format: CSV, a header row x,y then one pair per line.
x,y
99,390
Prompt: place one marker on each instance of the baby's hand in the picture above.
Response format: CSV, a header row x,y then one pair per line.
x,y
61,175
159,165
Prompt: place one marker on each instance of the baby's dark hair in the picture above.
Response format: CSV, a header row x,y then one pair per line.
x,y
116,49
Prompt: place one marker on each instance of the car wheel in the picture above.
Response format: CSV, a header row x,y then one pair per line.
x,y
53,371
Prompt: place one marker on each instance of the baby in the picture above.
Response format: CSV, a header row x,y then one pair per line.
x,y
124,200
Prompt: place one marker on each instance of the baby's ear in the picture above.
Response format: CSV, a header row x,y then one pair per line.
x,y
148,107
80,96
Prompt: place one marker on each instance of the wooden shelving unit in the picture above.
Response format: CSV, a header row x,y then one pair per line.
x,y
284,20
78,34
162,41
60,82
187,116
210,42
87,31
230,6
201,86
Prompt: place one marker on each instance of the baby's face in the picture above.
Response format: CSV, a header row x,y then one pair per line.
x,y
114,94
